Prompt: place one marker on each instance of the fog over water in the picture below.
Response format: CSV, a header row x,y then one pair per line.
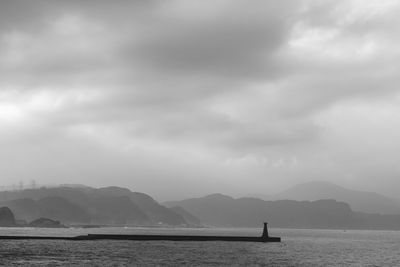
x,y
185,98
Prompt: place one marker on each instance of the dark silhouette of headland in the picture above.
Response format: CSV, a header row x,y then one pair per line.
x,y
7,218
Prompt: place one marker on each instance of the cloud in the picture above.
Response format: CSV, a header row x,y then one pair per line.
x,y
241,89
236,42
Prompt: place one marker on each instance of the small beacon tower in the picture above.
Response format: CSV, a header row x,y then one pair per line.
x,y
265,231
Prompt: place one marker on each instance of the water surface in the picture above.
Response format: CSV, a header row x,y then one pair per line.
x,y
298,248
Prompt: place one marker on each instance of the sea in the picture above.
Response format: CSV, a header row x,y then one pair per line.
x,y
299,247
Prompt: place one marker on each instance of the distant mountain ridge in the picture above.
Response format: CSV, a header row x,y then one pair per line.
x,y
108,205
310,205
368,202
222,210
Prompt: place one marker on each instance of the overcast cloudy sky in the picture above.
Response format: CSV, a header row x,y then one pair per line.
x,y
183,98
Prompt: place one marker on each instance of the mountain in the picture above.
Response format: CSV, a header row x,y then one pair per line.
x,y
81,204
156,212
116,210
56,208
368,202
222,210
261,196
189,218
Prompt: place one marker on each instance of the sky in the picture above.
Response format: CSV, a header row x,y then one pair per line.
x,y
184,98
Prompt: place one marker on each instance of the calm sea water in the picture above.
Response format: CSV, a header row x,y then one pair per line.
x,y
298,248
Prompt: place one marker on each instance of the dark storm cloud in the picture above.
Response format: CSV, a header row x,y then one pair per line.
x,y
169,54
151,63
237,41
236,45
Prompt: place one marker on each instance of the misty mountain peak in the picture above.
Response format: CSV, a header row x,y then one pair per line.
x,y
218,196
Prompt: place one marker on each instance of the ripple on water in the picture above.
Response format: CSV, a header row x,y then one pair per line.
x,y
299,248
